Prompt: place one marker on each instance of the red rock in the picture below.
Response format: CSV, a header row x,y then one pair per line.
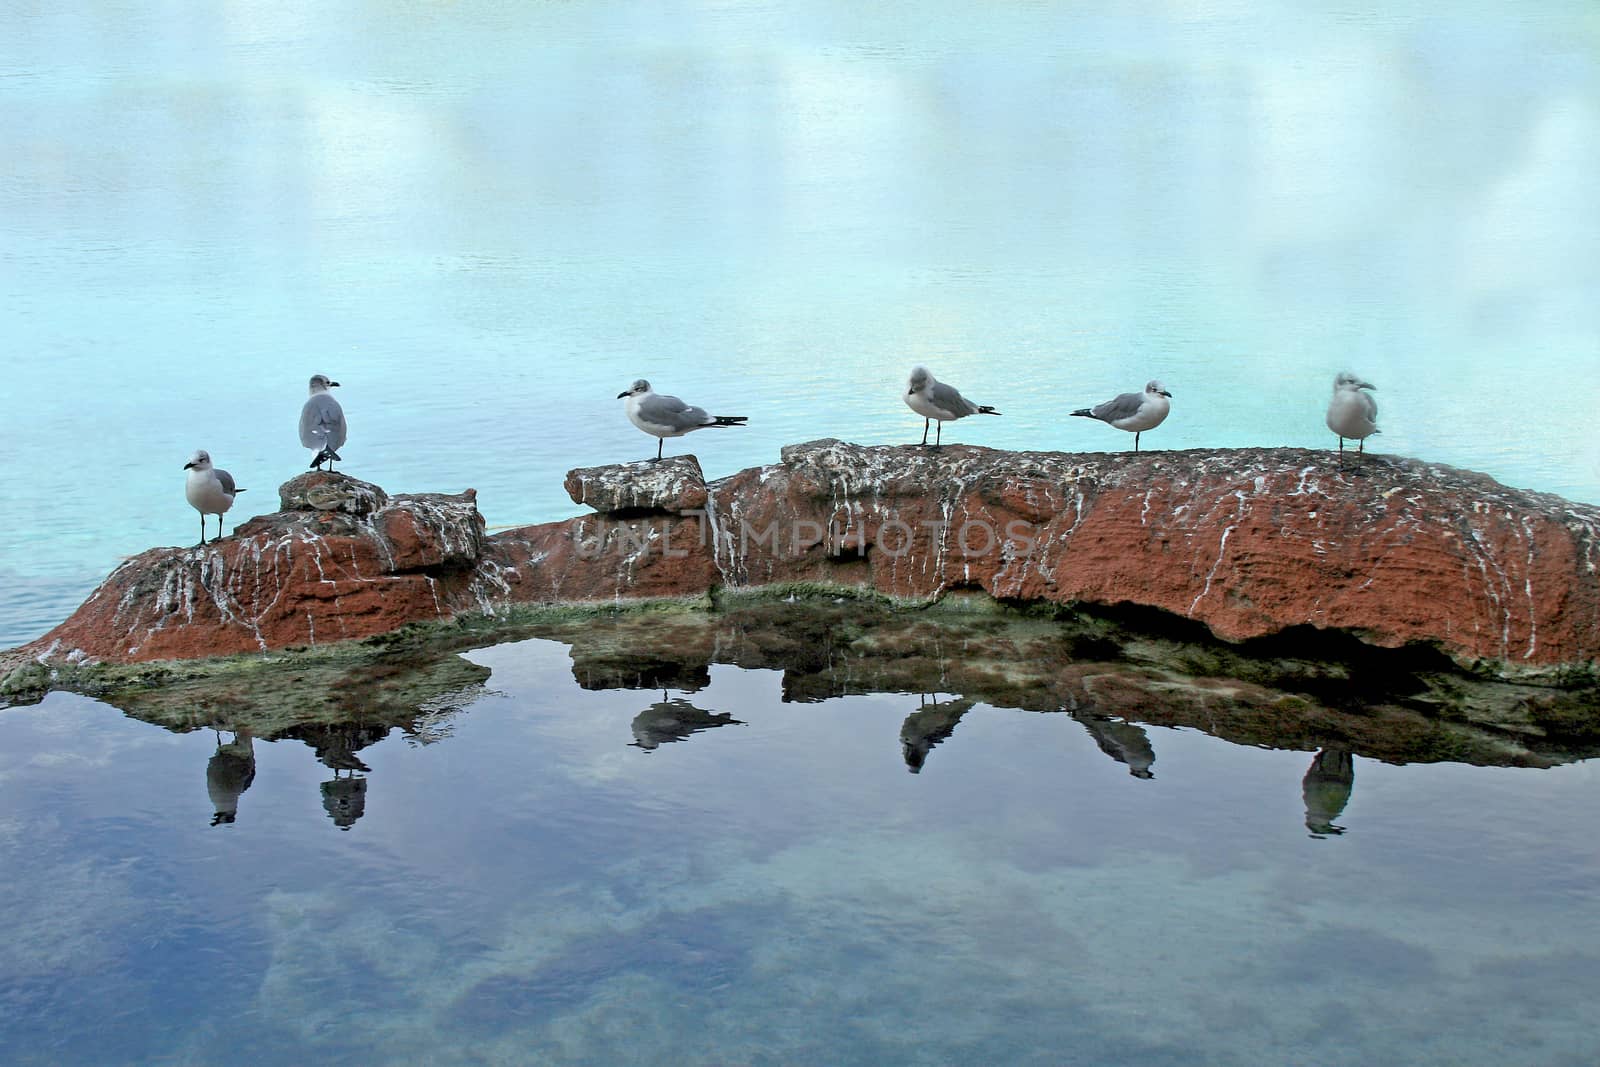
x,y
674,484
299,577
1247,542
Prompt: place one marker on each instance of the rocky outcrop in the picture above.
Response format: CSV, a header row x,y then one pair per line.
x,y
1248,543
342,560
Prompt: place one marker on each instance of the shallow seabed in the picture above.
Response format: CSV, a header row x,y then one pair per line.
x,y
534,871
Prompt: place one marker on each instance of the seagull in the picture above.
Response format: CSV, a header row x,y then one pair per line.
x,y
210,490
666,416
934,400
322,422
1352,413
1135,412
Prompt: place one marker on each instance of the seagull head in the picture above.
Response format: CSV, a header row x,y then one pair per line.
x,y
638,388
200,461
1157,388
1346,380
919,379
321,383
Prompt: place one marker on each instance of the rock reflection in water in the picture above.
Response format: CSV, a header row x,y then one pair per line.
x,y
934,721
229,773
674,719
1326,788
1380,704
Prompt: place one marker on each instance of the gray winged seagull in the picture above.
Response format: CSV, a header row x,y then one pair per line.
x,y
209,490
322,425
663,416
1351,412
1134,412
938,402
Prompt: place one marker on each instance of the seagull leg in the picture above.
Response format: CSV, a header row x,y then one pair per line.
x,y
1136,440
202,543
925,430
938,435
660,443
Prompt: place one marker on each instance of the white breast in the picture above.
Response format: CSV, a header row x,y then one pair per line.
x,y
655,429
204,492
1152,412
926,408
1347,414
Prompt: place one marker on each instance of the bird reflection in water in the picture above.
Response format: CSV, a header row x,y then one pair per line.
x,y
674,720
1123,741
930,724
228,774
1326,788
345,797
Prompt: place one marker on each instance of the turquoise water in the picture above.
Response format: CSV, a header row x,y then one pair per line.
x,y
548,876
486,219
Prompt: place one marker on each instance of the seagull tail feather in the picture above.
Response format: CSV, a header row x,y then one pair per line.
x,y
730,420
985,409
1087,413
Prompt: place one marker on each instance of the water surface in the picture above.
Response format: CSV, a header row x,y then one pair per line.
x,y
486,220
526,869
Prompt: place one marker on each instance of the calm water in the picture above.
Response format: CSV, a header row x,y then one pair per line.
x,y
554,874
486,219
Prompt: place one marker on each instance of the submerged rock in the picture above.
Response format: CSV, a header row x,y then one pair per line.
x,y
1247,543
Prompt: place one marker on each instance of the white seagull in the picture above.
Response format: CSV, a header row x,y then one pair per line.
x,y
1351,412
210,490
664,416
322,425
1134,412
935,400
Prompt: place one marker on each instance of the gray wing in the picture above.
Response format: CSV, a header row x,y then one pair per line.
x,y
1119,408
322,422
1372,406
670,411
950,400
225,478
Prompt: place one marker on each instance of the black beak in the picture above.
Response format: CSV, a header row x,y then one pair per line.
x,y
623,394
1166,394
186,466
333,384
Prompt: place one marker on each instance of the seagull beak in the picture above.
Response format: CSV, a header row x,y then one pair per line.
x,y
334,384
1166,394
1366,385
186,466
623,394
